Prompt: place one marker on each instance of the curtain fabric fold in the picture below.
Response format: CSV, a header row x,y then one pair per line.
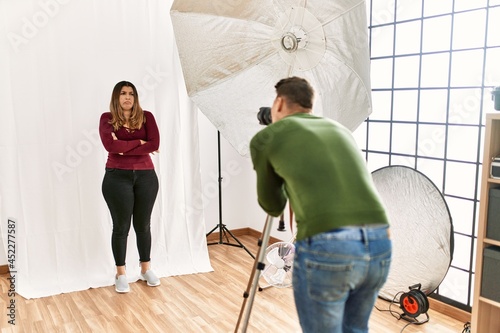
x,y
59,61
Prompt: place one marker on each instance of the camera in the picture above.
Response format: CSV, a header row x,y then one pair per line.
x,y
264,115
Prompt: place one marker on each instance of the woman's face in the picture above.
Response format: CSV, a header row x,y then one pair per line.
x,y
127,98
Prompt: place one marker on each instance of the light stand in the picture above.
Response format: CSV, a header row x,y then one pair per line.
x,y
223,231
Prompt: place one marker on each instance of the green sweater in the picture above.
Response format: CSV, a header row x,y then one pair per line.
x,y
316,163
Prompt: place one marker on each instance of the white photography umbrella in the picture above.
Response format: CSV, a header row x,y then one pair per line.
x,y
233,52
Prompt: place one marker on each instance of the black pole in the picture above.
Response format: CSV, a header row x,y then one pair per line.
x,y
219,179
223,231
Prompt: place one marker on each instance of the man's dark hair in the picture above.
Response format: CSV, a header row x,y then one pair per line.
x,y
296,90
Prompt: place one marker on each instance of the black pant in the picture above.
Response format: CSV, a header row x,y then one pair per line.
x,y
130,193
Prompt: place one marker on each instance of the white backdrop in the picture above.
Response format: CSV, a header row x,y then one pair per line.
x,y
59,60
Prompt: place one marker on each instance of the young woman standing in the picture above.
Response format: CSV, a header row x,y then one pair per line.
x,y
130,184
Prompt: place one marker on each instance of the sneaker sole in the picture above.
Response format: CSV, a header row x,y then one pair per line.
x,y
143,278
153,285
150,284
122,291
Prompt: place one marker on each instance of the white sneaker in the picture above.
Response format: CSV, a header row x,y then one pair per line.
x,y
121,284
151,278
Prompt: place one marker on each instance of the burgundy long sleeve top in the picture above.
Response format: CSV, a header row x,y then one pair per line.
x,y
127,152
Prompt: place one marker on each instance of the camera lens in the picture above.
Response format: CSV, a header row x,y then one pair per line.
x,y
264,116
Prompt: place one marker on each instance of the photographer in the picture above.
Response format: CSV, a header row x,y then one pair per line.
x,y
343,250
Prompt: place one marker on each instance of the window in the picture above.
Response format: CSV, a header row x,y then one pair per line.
x,y
434,64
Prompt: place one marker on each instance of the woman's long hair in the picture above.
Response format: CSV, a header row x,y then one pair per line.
x,y
136,118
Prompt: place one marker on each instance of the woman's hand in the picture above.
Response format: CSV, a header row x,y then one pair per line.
x,y
115,138
142,142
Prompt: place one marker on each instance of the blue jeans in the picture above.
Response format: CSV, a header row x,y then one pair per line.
x,y
130,195
337,276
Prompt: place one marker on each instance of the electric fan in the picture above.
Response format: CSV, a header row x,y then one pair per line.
x,y
279,264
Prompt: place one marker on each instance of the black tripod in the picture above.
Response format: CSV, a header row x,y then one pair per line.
x,y
223,231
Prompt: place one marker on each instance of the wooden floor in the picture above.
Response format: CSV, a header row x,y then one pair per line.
x,y
208,302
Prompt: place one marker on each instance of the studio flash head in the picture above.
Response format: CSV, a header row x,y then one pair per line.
x,y
264,115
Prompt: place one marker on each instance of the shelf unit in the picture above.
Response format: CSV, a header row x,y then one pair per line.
x,y
486,312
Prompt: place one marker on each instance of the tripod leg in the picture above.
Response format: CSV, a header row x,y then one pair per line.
x,y
211,231
258,266
238,241
224,231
